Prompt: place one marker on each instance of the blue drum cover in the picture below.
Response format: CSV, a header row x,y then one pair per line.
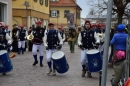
x,y
94,62
61,65
5,63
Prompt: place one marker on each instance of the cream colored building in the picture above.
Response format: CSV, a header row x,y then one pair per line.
x,y
58,9
37,10
6,12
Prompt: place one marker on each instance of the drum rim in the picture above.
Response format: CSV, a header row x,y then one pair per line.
x,y
4,51
92,50
57,58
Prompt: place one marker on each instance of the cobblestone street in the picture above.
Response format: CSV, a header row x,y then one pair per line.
x,y
24,74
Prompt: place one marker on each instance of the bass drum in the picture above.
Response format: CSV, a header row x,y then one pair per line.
x,y
94,60
5,62
60,62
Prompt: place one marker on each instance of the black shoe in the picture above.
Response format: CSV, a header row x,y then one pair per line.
x,y
18,52
22,52
4,74
36,62
41,65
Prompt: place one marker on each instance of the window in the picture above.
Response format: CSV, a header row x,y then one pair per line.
x,y
54,0
65,12
41,2
78,15
2,12
46,3
35,0
54,13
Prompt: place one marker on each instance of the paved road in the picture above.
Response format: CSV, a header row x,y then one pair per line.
x,y
24,74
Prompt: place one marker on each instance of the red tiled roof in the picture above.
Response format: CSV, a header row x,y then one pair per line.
x,y
64,3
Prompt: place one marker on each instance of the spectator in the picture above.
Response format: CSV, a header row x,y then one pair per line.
x,y
119,40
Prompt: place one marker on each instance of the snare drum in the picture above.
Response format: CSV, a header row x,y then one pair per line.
x,y
5,62
94,60
60,62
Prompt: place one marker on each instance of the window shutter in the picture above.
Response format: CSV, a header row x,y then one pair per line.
x,y
50,13
64,13
58,13
46,3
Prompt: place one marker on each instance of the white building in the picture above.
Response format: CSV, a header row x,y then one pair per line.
x,y
6,12
102,19
82,21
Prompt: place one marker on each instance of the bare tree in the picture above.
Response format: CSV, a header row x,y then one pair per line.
x,y
91,12
119,7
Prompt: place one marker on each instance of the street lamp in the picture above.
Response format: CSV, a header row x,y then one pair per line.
x,y
27,5
128,46
128,12
57,20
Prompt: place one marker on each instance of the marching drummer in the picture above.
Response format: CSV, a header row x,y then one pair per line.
x,y
5,43
86,39
38,34
5,39
51,42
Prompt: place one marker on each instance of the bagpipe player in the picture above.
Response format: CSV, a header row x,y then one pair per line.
x,y
86,40
52,42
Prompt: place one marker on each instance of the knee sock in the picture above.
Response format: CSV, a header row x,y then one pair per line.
x,y
41,59
19,49
35,58
83,66
49,64
22,49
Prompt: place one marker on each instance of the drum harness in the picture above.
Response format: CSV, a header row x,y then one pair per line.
x,y
35,39
94,47
7,47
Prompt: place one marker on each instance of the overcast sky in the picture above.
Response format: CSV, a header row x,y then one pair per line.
x,y
84,6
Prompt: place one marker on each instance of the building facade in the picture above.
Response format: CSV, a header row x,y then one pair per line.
x,y
27,12
102,19
6,12
58,10
82,21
